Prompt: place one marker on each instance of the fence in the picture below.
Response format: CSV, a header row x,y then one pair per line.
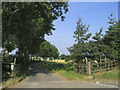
x,y
90,68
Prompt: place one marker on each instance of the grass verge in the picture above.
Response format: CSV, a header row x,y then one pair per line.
x,y
70,75
12,81
24,71
111,75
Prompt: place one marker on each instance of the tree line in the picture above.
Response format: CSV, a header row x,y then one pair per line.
x,y
107,45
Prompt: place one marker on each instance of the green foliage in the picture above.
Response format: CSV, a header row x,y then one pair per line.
x,y
112,38
6,60
80,33
10,82
68,57
24,25
48,50
101,45
80,50
62,56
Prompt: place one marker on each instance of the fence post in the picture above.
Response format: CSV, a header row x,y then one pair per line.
x,y
12,69
100,64
75,68
105,63
15,67
89,68
86,65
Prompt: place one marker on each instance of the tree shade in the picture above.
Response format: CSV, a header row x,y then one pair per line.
x,y
26,23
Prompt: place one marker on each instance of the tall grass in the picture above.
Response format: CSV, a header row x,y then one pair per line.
x,y
12,81
111,75
70,75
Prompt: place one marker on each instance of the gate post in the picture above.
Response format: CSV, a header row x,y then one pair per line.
x,y
86,65
89,68
12,69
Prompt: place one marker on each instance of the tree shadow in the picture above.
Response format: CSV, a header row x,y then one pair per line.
x,y
36,68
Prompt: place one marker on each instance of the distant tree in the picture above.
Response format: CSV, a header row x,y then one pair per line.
x,y
62,56
48,50
68,57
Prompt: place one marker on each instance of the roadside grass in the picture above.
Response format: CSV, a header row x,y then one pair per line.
x,y
23,73
70,75
12,81
111,75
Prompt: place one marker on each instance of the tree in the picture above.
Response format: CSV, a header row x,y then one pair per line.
x,y
80,50
102,45
48,50
112,38
62,56
26,23
80,33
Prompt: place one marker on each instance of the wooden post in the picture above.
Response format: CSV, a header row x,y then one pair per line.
x,y
15,61
73,68
15,67
100,64
105,63
108,65
89,68
12,70
86,65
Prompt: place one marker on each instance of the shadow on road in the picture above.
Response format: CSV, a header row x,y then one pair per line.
x,y
35,69
45,67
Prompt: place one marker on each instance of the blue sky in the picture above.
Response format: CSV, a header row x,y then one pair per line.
x,y
94,14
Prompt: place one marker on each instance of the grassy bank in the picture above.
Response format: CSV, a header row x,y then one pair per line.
x,y
12,81
111,75
24,71
70,75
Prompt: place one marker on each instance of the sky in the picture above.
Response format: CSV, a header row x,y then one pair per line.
x,y
94,14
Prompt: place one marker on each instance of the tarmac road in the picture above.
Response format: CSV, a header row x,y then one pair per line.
x,y
40,78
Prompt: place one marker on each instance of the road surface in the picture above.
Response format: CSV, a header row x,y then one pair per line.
x,y
40,78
